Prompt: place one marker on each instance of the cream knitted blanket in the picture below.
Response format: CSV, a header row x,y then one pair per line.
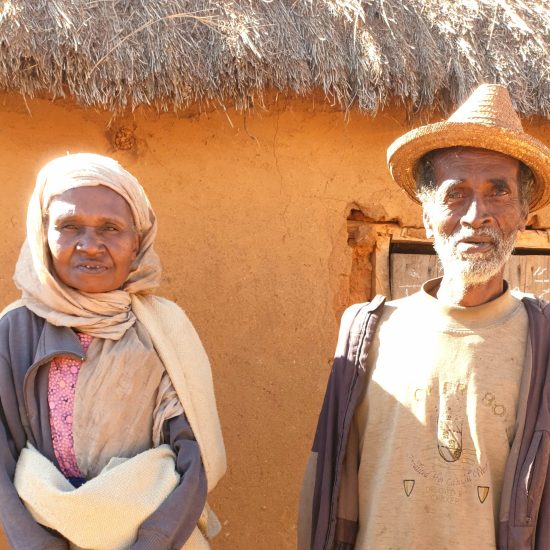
x,y
106,512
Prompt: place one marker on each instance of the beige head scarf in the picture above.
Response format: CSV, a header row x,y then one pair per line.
x,y
106,315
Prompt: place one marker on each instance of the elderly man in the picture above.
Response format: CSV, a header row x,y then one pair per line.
x,y
434,432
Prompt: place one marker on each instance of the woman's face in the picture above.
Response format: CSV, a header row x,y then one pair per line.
x,y
92,238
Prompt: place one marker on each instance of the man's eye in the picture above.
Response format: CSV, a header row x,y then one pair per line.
x,y
68,227
453,195
110,228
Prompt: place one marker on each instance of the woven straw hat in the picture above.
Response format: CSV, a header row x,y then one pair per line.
x,y
486,120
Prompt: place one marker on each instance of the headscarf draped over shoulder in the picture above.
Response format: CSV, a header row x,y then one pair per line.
x,y
106,315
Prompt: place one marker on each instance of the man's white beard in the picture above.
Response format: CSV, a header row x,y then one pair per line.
x,y
476,268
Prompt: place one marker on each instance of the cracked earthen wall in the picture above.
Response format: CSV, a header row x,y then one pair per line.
x,y
253,236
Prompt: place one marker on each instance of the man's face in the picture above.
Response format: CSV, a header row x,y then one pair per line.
x,y
475,213
92,239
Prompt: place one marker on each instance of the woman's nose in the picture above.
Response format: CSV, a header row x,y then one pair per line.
x,y
89,241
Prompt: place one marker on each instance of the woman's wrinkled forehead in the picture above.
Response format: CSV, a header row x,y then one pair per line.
x,y
58,192
87,169
98,201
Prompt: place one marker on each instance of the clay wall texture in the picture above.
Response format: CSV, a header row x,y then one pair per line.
x,y
252,236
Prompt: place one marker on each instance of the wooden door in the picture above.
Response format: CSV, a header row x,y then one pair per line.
x,y
526,273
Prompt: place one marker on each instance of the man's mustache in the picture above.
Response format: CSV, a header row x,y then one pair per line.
x,y
465,233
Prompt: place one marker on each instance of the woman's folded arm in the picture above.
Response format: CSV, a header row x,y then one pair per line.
x,y
172,523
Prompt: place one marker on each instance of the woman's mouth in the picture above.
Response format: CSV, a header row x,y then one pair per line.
x,y
91,268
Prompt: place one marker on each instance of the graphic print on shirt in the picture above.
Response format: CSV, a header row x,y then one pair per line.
x,y
450,468
408,485
450,421
482,493
449,435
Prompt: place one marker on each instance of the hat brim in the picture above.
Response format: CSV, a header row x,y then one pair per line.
x,y
405,152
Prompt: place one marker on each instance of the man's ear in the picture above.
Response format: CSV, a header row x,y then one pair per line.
x,y
524,219
427,224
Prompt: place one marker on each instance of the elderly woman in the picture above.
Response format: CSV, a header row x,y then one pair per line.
x,y
109,433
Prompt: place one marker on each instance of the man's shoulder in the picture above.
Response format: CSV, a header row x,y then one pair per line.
x,y
372,305
535,305
404,301
379,305
356,313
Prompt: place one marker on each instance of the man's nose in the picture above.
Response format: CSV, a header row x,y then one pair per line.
x,y
89,241
477,213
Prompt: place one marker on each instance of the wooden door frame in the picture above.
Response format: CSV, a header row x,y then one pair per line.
x,y
387,234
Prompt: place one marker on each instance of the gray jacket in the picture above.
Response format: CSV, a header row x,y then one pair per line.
x,y
525,516
27,345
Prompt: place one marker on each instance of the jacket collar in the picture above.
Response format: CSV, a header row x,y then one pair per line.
x,y
57,341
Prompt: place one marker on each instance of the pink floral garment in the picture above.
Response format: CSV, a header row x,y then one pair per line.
x,y
61,391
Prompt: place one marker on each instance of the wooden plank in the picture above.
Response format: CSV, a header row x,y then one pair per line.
x,y
410,271
530,273
381,271
533,239
537,275
539,238
514,273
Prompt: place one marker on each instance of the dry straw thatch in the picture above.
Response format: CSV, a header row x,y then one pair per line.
x,y
172,53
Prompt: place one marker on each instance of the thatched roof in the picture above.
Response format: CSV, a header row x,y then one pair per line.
x,y
172,53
